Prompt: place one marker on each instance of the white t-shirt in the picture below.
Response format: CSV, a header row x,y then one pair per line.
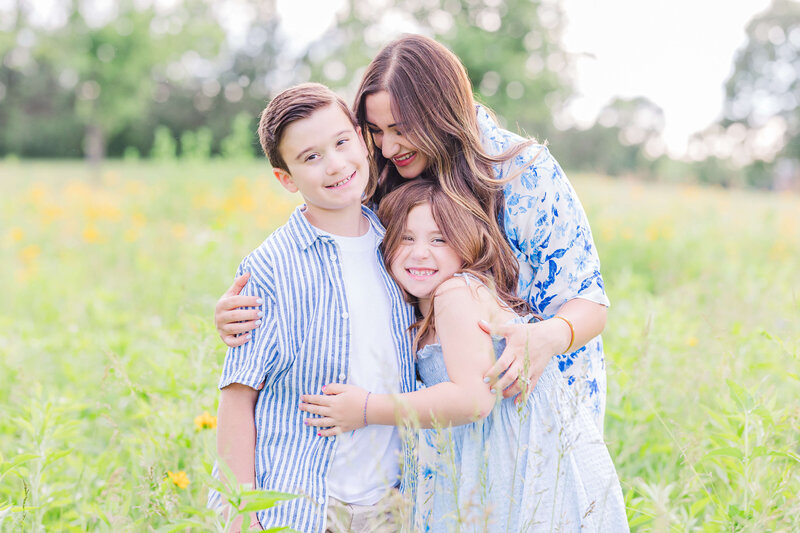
x,y
367,461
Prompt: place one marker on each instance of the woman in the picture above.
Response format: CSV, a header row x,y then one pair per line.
x,y
419,118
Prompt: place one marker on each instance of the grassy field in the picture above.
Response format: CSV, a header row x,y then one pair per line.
x,y
109,358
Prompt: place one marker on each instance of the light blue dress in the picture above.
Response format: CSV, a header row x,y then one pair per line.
x,y
542,466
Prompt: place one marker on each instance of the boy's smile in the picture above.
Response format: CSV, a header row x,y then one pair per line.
x,y
327,163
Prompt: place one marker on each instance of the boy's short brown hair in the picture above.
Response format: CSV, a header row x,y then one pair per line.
x,y
289,105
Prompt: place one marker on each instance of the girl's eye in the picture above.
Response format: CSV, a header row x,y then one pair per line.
x,y
406,238
342,141
374,131
439,240
312,157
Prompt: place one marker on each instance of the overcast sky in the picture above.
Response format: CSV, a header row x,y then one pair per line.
x,y
677,53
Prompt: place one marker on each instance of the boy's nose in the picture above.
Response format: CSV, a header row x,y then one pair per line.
x,y
335,164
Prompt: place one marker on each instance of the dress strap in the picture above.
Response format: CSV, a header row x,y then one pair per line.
x,y
467,276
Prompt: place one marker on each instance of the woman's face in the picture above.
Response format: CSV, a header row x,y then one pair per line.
x,y
424,259
388,137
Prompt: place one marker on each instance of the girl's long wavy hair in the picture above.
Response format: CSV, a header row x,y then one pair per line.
x,y
481,246
431,94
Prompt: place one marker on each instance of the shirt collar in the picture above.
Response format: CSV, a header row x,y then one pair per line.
x,y
305,235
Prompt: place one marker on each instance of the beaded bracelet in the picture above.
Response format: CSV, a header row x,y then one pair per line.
x,y
571,332
365,408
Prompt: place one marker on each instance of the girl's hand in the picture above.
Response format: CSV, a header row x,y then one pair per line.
x,y
230,319
341,409
527,353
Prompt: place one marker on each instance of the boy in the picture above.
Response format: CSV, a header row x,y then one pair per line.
x,y
331,313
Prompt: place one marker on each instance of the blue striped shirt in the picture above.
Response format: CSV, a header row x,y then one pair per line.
x,y
302,344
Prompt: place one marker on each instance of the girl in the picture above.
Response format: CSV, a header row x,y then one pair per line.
x,y
537,466
419,118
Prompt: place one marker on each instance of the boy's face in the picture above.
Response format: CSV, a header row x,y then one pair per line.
x,y
327,161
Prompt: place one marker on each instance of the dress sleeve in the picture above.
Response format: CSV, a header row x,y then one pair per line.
x,y
546,225
250,363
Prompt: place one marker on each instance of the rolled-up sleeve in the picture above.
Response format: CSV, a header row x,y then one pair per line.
x,y
250,363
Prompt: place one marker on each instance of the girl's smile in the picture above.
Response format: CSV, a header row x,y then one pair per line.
x,y
424,259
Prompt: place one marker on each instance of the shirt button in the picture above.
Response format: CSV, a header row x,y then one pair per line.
x,y
321,500
333,258
343,376
345,315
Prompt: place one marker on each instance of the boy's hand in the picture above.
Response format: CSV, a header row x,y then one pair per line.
x,y
341,409
230,319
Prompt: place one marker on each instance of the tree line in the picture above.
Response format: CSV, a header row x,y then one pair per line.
x,y
174,79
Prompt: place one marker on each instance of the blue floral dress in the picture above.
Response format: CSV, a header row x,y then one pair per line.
x,y
549,233
542,466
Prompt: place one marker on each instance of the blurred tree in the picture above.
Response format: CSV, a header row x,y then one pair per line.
x,y
510,48
763,91
111,60
624,140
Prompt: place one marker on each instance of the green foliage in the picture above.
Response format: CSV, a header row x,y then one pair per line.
x,y
239,144
164,145
196,145
107,352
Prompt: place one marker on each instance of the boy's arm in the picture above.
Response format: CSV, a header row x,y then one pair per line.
x,y
236,436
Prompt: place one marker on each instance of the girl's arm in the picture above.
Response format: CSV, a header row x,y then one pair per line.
x,y
230,316
465,398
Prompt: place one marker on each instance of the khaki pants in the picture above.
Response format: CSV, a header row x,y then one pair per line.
x,y
350,517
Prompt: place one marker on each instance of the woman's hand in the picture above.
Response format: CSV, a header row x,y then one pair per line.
x,y
529,347
229,317
525,357
341,409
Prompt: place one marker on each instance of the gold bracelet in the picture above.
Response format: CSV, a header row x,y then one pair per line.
x,y
571,332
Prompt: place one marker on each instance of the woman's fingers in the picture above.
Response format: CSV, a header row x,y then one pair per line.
x,y
235,340
237,328
507,379
238,284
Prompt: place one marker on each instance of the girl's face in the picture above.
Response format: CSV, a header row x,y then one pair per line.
x,y
424,259
387,136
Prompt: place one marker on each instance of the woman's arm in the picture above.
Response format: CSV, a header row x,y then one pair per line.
x,y
529,347
229,317
464,399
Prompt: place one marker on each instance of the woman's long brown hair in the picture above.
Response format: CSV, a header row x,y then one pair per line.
x,y
481,246
430,93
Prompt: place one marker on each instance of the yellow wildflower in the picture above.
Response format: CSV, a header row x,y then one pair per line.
x,y
205,421
179,231
16,234
30,253
90,234
179,478
692,341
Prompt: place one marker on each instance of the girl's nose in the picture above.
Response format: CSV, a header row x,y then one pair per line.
x,y
420,250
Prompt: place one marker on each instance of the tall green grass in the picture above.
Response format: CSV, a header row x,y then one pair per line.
x,y
108,352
